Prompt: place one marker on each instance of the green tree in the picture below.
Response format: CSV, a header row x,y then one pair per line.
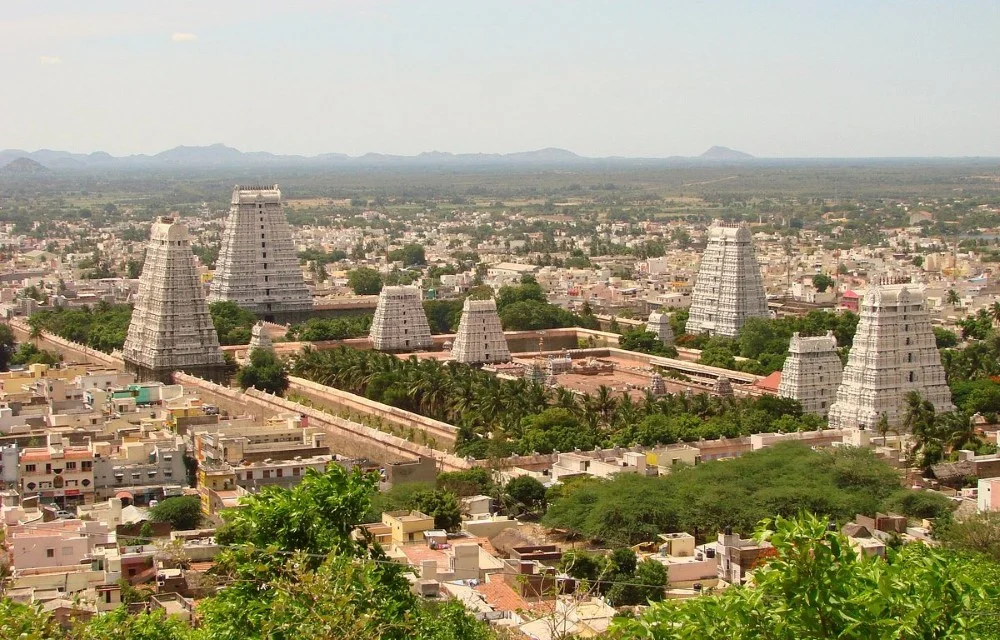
x,y
822,282
182,512
232,322
121,624
410,255
442,506
26,622
265,372
364,281
944,339
526,491
816,586
952,298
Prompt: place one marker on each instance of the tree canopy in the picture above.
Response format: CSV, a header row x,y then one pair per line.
x,y
817,586
265,372
704,499
364,281
182,512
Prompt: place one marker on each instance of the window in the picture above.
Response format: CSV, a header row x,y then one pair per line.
x,y
249,475
279,474
912,376
29,468
295,471
86,465
267,473
48,468
50,553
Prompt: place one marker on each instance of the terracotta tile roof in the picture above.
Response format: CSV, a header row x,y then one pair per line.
x,y
501,597
770,382
417,553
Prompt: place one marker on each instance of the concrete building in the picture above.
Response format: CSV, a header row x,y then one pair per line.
x,y
988,498
171,327
480,337
142,469
812,373
659,325
894,352
58,472
407,526
258,268
729,287
399,323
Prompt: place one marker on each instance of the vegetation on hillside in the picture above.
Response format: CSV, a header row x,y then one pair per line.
x,y
817,586
739,493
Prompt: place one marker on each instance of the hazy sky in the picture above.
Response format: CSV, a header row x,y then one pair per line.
x,y
653,78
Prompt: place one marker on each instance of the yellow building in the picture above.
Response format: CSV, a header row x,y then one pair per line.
x,y
407,526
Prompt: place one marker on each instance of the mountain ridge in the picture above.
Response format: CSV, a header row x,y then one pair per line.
x,y
220,155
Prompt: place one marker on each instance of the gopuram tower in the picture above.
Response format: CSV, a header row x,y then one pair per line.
x,y
812,372
729,288
257,267
171,328
480,337
894,352
400,323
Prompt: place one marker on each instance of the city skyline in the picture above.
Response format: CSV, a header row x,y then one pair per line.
x,y
599,79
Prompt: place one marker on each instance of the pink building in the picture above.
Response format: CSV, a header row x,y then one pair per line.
x,y
48,544
989,494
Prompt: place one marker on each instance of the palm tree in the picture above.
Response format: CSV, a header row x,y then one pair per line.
x,y
952,298
605,404
958,431
995,312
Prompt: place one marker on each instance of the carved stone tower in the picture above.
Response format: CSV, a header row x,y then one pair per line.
x,y
480,337
171,328
729,288
257,267
399,323
894,352
812,373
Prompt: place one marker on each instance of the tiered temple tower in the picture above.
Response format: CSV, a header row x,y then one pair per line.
x,y
729,288
812,372
258,268
259,339
171,328
480,337
659,324
399,323
894,352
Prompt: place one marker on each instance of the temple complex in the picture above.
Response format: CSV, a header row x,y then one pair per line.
x,y
171,328
729,287
894,352
480,337
258,268
812,373
659,324
399,323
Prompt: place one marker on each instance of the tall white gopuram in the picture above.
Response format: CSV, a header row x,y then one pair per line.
x,y
258,268
812,373
729,287
480,337
400,323
894,352
171,328
659,325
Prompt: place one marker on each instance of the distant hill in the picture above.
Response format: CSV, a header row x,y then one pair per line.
x,y
725,153
23,166
220,155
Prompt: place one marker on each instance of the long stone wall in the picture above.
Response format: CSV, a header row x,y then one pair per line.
x,y
442,433
70,351
348,437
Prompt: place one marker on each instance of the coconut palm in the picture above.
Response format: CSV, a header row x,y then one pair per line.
x,y
952,298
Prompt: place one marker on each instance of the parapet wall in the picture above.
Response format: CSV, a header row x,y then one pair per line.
x,y
348,438
435,432
70,351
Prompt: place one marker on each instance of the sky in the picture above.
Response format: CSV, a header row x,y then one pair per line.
x,y
654,78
